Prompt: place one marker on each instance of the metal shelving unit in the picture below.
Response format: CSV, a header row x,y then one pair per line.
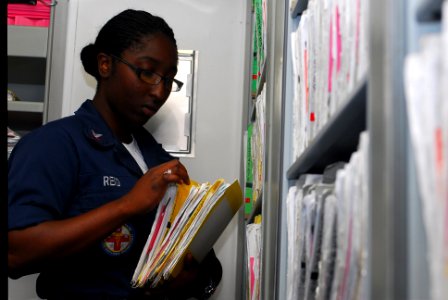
x,y
378,105
272,192
27,49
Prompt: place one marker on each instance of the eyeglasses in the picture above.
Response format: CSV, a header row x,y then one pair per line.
x,y
151,77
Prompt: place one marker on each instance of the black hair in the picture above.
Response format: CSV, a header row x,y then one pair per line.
x,y
122,32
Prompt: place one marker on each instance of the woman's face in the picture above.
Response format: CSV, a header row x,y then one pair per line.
x,y
130,99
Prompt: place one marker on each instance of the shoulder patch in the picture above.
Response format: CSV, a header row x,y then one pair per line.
x,y
119,241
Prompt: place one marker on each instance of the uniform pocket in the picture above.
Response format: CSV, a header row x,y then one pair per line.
x,y
99,189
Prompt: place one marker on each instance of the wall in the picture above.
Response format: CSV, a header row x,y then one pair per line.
x,y
218,30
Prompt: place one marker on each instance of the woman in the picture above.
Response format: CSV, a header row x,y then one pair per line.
x,y
83,190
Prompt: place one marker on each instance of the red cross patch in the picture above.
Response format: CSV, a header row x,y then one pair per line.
x,y
119,241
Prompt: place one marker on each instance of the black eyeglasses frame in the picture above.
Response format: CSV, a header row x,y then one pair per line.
x,y
168,82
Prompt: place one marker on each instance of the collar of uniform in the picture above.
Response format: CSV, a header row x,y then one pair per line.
x,y
95,128
99,137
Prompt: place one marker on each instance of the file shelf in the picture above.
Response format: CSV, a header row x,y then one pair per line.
x,y
338,139
260,84
335,141
397,243
259,93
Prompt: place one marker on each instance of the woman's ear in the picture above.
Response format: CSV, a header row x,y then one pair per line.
x,y
104,65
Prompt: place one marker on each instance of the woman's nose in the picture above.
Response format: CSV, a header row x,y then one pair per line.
x,y
160,91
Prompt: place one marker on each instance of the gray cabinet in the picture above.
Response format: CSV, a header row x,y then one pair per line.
x,y
27,49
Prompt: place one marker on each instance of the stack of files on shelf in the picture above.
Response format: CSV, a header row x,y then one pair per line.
x,y
258,145
329,59
259,43
248,172
327,230
296,209
254,153
253,248
426,85
352,211
189,219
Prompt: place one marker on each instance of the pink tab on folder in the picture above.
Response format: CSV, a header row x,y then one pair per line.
x,y
159,222
339,40
330,58
252,276
358,29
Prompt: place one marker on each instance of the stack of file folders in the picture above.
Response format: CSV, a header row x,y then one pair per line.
x,y
189,219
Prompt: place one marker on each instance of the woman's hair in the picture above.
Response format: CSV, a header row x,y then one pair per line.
x,y
122,32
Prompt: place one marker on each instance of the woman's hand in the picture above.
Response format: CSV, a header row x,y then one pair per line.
x,y
151,187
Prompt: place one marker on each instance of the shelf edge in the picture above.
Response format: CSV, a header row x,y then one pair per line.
x,y
26,106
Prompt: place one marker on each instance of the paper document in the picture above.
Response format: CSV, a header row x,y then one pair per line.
x,y
189,219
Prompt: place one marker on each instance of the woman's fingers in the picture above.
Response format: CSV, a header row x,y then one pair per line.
x,y
175,171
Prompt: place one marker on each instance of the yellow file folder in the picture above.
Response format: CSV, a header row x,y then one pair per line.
x,y
198,216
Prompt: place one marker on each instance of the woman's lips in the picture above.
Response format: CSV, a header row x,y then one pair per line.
x,y
149,111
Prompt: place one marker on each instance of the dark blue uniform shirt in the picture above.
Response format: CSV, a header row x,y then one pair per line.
x,y
66,168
